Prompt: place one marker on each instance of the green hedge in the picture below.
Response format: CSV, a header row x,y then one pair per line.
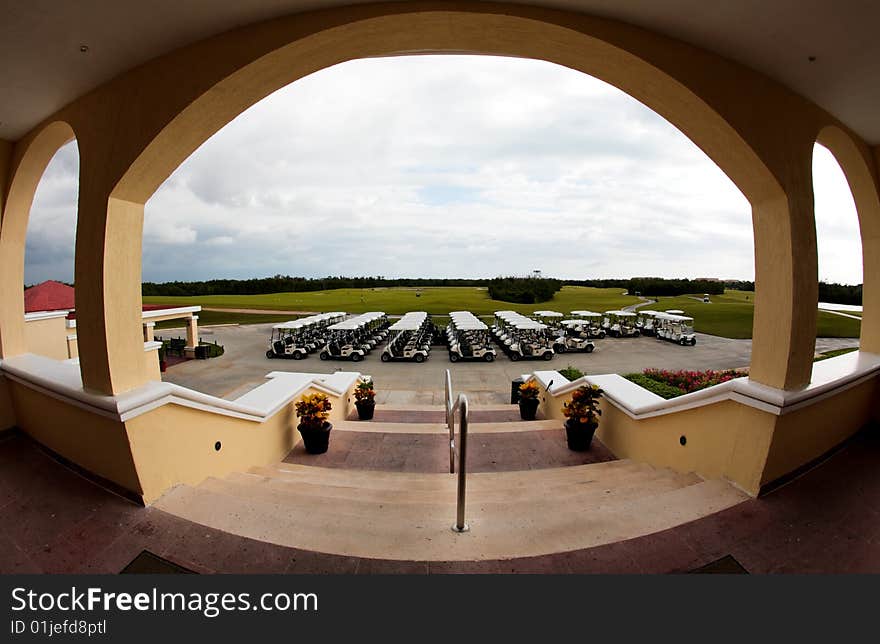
x,y
572,373
655,386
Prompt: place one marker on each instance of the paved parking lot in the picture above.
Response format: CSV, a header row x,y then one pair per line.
x,y
244,365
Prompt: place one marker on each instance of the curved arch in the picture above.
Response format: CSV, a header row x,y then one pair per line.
x,y
858,168
247,80
168,107
31,158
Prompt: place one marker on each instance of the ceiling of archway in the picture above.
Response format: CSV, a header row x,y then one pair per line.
x,y
43,68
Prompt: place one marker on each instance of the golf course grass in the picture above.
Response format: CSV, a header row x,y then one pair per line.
x,y
434,300
729,315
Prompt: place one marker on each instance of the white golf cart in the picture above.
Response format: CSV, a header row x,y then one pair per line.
x,y
645,322
349,338
468,338
297,338
410,338
622,324
522,338
676,328
594,323
573,337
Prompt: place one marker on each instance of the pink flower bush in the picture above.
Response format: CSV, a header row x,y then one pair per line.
x,y
689,381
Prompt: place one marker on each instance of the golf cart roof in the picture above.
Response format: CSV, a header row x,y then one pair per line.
x,y
587,314
625,314
308,321
519,321
356,322
674,312
647,312
466,321
412,321
549,314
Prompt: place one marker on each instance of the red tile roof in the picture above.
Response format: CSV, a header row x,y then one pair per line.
x,y
49,296
55,296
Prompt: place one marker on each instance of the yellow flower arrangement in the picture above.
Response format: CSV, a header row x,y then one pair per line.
x,y
313,409
528,390
583,408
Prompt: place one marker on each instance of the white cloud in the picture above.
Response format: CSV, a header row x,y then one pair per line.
x,y
438,166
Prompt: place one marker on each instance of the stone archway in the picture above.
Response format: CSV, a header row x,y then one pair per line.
x,y
758,132
27,170
856,163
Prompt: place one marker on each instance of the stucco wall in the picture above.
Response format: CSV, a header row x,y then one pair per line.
x,y
806,434
93,442
47,337
7,413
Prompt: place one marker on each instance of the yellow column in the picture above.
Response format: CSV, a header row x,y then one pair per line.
x,y
192,334
108,300
149,334
786,288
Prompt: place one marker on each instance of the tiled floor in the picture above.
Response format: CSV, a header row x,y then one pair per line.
x,y
52,520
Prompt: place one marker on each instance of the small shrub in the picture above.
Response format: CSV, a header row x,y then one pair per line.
x,y
690,381
572,373
655,386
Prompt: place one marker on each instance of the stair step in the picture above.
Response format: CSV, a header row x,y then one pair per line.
x,y
416,531
601,487
431,481
388,427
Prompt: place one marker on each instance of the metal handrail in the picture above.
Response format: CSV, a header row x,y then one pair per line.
x,y
460,405
450,422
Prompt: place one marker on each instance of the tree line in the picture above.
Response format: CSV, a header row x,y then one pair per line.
x,y
525,290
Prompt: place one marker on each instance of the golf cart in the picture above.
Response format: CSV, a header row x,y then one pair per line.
x,y
550,318
468,338
351,339
410,338
622,324
522,338
297,338
593,323
572,337
676,328
645,322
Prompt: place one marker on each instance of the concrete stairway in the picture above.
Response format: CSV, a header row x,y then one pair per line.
x,y
407,516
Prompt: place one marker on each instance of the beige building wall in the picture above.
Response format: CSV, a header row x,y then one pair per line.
x,y
7,413
47,337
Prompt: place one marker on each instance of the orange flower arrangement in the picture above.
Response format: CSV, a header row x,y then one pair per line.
x,y
583,408
313,409
528,390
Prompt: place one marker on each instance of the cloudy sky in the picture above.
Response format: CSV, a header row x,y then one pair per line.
x,y
445,166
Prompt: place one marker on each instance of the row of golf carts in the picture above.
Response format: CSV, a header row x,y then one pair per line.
x,y
298,338
468,338
329,333
410,337
670,325
522,338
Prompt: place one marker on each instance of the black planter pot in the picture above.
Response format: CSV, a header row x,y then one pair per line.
x,y
528,407
579,435
315,439
365,409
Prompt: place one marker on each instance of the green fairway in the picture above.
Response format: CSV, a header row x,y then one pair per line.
x,y
731,315
434,300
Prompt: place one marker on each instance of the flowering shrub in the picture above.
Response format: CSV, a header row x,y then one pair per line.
x,y
313,409
364,391
689,381
528,390
584,405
